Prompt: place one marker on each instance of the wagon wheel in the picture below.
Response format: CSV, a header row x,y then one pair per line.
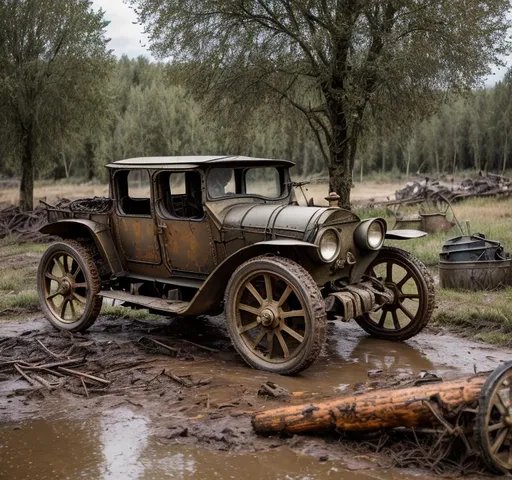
x,y
68,282
414,296
275,314
493,429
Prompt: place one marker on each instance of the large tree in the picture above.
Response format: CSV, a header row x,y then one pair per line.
x,y
333,60
54,62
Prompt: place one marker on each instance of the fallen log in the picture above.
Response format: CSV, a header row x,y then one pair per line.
x,y
375,410
483,403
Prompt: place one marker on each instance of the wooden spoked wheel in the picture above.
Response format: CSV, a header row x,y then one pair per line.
x,y
493,430
68,283
414,296
275,314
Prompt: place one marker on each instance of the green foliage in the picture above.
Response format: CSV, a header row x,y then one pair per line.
x,y
335,62
471,132
53,66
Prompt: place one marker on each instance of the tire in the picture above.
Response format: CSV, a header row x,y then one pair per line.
x,y
495,396
388,322
68,282
258,327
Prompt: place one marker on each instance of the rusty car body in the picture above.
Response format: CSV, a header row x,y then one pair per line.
x,y
195,235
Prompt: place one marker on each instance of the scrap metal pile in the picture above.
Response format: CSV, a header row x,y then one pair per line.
x,y
24,226
483,185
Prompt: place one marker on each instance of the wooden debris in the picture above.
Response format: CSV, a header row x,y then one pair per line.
x,y
160,344
85,375
271,389
24,375
24,226
483,185
375,410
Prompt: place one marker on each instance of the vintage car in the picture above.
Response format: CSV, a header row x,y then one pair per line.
x,y
187,236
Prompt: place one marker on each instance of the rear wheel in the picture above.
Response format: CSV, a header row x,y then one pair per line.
x,y
414,296
493,428
275,314
68,283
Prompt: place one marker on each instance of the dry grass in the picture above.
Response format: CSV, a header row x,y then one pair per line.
x,y
486,315
18,265
55,191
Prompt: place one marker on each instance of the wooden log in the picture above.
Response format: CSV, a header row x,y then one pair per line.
x,y
375,410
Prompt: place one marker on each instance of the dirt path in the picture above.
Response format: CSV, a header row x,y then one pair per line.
x,y
187,397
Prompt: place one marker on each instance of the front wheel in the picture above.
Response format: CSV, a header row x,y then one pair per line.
x,y
68,283
414,296
275,315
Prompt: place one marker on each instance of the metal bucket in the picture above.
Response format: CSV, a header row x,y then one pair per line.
x,y
477,276
469,248
435,222
407,224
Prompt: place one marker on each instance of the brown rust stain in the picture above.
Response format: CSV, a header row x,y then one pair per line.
x,y
138,239
189,246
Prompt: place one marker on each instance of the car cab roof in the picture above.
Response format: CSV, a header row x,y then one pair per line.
x,y
189,162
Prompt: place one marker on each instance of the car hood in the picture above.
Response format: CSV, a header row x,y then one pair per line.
x,y
293,220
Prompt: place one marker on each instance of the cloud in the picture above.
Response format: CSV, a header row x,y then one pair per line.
x,y
126,38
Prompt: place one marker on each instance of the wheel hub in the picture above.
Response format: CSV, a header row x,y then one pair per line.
x,y
66,286
269,317
395,291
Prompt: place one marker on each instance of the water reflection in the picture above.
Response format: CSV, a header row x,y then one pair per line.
x,y
124,438
118,445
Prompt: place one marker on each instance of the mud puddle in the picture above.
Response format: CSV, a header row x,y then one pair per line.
x,y
118,445
183,410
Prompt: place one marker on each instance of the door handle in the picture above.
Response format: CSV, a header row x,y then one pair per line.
x,y
160,228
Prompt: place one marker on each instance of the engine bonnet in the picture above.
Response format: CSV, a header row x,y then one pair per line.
x,y
298,221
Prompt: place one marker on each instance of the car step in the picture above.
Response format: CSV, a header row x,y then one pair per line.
x,y
153,303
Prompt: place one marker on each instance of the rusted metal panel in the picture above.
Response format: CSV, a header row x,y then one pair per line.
x,y
270,217
137,240
404,234
477,275
188,245
160,304
100,233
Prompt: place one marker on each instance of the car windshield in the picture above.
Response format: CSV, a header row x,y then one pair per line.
x,y
258,181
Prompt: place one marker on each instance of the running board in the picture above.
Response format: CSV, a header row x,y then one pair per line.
x,y
153,303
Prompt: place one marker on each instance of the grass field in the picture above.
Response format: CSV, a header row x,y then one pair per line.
x,y
486,315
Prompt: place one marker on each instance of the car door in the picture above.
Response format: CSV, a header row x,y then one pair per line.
x,y
185,233
134,224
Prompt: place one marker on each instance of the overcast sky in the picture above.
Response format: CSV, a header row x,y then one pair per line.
x,y
127,38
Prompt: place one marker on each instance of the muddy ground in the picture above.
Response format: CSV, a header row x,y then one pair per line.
x,y
189,397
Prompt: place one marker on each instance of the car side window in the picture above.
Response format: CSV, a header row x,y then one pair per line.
x,y
180,194
221,182
263,181
134,192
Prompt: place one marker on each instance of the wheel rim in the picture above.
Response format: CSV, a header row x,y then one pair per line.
x,y
65,287
271,318
497,428
407,305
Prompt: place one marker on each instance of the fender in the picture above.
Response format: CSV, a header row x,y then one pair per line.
x,y
99,232
404,234
211,291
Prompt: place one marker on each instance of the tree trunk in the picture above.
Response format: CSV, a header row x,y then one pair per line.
x,y
340,181
375,410
89,160
27,174
505,153
341,147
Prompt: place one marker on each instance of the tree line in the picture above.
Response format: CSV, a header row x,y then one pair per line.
x,y
470,132
339,86
150,114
